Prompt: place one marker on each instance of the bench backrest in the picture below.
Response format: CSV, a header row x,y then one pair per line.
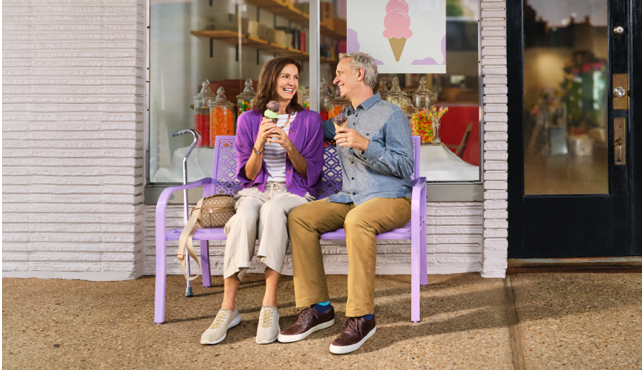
x,y
224,172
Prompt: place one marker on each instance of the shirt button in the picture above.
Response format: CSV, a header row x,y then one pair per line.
x,y
353,178
367,134
289,186
288,171
352,162
354,193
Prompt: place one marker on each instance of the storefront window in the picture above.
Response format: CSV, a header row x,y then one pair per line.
x,y
203,72
565,72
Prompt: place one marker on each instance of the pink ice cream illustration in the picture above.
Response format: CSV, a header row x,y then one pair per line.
x,y
397,23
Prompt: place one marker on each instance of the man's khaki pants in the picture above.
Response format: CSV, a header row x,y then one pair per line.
x,y
361,223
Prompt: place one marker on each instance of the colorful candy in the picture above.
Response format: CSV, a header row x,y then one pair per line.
x,y
421,125
222,123
244,105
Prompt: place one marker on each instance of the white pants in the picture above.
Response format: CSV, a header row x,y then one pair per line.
x,y
267,212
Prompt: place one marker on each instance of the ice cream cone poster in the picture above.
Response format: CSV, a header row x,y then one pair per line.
x,y
403,36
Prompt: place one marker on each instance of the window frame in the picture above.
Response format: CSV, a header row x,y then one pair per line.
x,y
437,191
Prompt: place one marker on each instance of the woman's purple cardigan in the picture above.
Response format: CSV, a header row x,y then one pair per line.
x,y
306,133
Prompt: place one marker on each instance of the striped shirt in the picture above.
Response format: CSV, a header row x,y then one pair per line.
x,y
274,154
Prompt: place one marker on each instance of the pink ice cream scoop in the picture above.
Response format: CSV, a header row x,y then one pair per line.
x,y
397,20
397,23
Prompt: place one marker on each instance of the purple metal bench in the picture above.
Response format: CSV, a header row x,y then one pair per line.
x,y
223,181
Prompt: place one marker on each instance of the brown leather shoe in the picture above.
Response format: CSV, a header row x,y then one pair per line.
x,y
310,320
356,332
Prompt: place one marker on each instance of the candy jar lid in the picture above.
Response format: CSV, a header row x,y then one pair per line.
x,y
323,90
221,100
206,92
396,95
395,90
383,88
248,92
423,95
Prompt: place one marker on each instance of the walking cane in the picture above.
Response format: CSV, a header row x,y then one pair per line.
x,y
188,290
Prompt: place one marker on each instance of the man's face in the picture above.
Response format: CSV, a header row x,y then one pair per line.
x,y
347,80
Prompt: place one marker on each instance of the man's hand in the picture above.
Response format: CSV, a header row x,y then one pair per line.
x,y
350,138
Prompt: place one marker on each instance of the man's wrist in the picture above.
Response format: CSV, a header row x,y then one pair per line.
x,y
363,147
258,152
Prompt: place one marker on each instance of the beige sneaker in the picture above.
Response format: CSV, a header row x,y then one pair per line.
x,y
268,329
225,319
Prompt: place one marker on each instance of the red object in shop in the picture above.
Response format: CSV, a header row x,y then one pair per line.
x,y
202,126
453,127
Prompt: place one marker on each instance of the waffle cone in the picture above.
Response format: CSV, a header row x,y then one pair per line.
x,y
397,46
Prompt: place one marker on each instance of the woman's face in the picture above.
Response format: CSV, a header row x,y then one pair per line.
x,y
287,82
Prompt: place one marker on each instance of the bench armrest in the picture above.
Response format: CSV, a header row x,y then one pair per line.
x,y
418,205
161,205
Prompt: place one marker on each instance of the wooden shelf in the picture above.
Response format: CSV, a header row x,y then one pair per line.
x,y
334,34
232,37
287,10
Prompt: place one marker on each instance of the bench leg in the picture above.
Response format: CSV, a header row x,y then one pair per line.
x,y
424,257
161,281
205,264
415,300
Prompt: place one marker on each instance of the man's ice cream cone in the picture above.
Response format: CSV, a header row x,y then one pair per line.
x,y
339,120
397,46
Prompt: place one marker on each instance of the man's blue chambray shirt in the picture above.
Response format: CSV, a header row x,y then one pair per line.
x,y
384,169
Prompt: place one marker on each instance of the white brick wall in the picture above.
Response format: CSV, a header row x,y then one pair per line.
x,y
454,244
495,138
73,102
73,94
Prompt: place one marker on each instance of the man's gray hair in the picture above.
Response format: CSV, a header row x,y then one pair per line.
x,y
365,61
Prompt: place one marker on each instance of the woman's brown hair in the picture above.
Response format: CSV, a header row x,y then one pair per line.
x,y
267,85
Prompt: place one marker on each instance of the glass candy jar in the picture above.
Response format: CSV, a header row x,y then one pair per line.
x,y
244,99
306,99
396,96
423,98
222,116
325,100
383,88
338,104
436,130
202,113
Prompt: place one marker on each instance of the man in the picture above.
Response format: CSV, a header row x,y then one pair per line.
x,y
376,154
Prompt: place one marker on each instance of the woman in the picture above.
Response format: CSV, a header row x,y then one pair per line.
x,y
275,178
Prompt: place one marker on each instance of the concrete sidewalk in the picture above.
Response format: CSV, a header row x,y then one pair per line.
x,y
565,321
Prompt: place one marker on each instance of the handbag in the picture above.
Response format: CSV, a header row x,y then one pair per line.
x,y
209,212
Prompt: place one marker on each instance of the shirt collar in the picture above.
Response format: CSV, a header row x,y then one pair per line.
x,y
367,103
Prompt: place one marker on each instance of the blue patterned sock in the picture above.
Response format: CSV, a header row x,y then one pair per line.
x,y
322,307
368,317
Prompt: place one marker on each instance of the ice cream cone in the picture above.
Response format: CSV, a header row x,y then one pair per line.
x,y
336,127
397,46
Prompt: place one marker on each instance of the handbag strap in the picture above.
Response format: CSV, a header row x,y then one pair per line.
x,y
185,240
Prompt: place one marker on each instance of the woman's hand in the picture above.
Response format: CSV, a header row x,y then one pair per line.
x,y
265,133
279,136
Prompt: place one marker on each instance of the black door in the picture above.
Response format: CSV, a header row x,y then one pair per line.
x,y
573,164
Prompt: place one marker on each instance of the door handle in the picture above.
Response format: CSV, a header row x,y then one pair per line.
x,y
619,132
619,143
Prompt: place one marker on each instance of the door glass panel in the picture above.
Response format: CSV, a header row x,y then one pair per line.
x,y
565,106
